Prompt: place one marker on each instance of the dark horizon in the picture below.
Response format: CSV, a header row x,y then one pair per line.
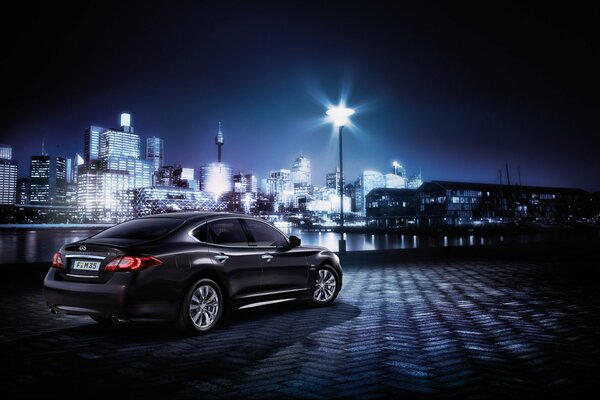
x,y
456,91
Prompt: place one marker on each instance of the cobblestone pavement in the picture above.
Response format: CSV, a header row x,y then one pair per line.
x,y
462,329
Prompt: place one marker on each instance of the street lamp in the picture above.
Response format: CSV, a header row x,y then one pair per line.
x,y
340,116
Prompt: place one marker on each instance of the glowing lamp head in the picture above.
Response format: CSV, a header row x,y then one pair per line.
x,y
340,115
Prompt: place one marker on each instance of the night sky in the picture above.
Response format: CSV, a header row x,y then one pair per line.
x,y
456,90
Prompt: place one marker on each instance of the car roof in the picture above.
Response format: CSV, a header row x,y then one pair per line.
x,y
197,215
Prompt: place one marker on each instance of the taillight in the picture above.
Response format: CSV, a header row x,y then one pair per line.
x,y
57,260
131,263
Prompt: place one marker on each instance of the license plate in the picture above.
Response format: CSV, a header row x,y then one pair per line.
x,y
86,265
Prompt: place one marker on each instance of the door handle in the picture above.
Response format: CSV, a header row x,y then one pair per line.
x,y
221,257
267,257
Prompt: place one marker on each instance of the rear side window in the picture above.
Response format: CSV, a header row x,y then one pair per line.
x,y
227,232
143,229
264,234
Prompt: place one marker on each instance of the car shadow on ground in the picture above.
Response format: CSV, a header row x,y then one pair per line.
x,y
149,357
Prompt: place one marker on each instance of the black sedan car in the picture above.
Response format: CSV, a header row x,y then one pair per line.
x,y
187,267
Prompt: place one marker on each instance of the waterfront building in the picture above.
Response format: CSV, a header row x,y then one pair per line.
x,y
443,203
392,207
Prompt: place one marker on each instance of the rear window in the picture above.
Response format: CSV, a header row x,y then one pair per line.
x,y
143,229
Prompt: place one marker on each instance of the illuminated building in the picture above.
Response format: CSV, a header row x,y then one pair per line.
x,y
5,152
22,191
126,123
415,182
92,143
176,176
244,196
216,178
114,143
8,181
47,180
155,152
104,184
280,188
394,181
243,183
301,171
369,180
445,204
332,180
301,178
157,200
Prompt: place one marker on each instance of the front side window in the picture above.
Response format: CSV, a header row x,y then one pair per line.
x,y
226,232
264,234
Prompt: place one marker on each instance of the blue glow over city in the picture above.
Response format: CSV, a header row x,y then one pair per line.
x,y
434,85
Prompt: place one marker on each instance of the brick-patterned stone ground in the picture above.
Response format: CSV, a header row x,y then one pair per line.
x,y
460,329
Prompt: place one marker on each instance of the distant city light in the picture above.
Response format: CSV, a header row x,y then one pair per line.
x,y
187,173
340,115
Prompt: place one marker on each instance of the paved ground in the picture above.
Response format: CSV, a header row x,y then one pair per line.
x,y
462,329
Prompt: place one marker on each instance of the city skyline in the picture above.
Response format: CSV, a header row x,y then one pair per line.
x,y
434,85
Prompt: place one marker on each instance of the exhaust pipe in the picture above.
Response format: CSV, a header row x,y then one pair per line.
x,y
53,311
116,320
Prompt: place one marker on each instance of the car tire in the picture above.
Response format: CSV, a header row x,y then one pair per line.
x,y
326,286
201,308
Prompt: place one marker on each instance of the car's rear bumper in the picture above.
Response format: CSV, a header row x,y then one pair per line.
x,y
116,297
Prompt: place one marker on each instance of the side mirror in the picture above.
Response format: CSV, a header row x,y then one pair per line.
x,y
295,241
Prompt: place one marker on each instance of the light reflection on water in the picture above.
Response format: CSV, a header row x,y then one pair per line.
x,y
26,246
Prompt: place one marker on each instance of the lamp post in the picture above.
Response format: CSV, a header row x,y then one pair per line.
x,y
340,116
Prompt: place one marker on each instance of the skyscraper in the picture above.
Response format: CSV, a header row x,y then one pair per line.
x,y
301,171
92,143
47,180
155,152
280,187
5,152
332,180
8,176
301,180
104,184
